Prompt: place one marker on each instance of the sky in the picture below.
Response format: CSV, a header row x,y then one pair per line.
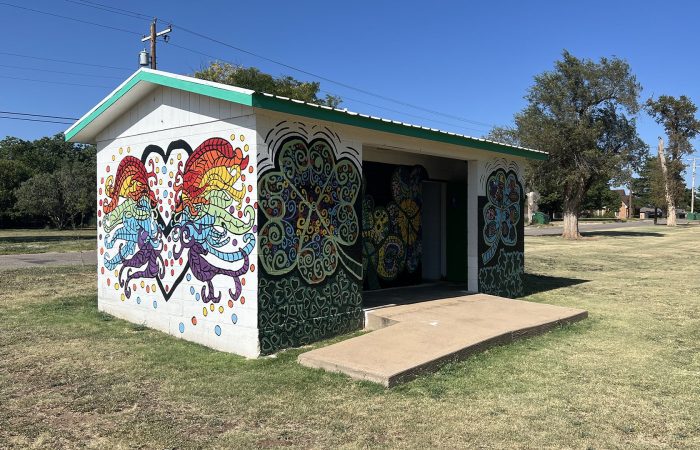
x,y
471,61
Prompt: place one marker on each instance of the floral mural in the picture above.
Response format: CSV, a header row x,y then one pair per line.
x,y
309,238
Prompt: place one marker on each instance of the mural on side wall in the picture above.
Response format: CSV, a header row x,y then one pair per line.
x,y
501,246
391,224
309,285
180,219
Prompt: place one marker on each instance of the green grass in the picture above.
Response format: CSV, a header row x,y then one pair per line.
x,y
626,377
14,242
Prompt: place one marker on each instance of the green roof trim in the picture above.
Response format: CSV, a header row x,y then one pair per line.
x,y
332,115
289,106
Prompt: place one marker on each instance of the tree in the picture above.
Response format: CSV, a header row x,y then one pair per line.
x,y
41,196
677,116
253,78
599,196
649,186
582,114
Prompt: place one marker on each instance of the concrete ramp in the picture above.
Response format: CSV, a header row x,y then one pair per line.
x,y
412,339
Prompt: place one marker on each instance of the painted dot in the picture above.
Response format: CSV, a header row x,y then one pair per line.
x,y
182,327
179,156
123,297
243,281
142,283
197,296
243,177
250,169
107,169
113,158
192,290
211,306
109,281
242,300
242,138
102,270
189,275
164,169
233,137
128,149
194,320
234,318
138,300
121,150
155,304
148,289
160,182
217,330
230,303
221,309
157,169
153,288
204,311
252,267
116,286
246,148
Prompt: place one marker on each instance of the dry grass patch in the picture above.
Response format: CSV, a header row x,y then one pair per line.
x,y
627,377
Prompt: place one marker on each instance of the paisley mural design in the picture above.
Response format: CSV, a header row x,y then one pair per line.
x,y
309,204
310,282
391,230
501,245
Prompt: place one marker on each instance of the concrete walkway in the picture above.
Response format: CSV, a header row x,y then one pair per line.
x,y
8,262
417,338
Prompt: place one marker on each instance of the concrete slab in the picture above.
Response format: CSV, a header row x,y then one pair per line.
x,y
417,338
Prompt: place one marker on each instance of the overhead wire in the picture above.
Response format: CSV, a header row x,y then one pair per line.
x,y
54,82
41,69
131,13
37,115
35,120
65,61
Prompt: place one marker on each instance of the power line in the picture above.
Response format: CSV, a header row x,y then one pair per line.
x,y
41,69
311,74
18,55
54,82
69,18
37,115
111,9
35,120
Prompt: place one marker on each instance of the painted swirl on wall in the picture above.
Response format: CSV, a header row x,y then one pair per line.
x,y
309,238
501,240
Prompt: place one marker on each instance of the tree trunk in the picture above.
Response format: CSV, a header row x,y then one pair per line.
x,y
570,224
670,200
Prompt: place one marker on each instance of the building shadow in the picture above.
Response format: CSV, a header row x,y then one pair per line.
x,y
621,233
534,283
33,239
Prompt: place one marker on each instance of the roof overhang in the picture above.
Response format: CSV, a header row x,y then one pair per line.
x,y
144,81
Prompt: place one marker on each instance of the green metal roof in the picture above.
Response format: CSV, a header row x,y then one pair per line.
x,y
85,129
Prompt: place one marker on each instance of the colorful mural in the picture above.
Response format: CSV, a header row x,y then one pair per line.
x,y
309,238
391,224
180,221
501,247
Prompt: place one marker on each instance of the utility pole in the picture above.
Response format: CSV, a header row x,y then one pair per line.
x,y
692,190
153,37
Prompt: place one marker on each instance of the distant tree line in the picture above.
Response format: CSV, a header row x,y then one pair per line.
x,y
46,182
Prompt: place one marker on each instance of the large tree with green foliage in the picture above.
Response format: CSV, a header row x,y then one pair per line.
x,y
648,186
677,115
582,113
46,180
253,78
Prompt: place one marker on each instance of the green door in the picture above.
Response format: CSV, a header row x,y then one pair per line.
x,y
456,231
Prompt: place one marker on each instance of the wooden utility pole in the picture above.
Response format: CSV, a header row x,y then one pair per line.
x,y
153,37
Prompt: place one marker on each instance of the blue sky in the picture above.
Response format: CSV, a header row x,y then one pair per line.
x,y
473,60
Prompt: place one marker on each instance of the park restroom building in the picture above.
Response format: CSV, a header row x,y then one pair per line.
x,y
251,223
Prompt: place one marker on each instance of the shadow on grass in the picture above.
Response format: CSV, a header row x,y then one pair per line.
x,y
534,284
621,233
35,239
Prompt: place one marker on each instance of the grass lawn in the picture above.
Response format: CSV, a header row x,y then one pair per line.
x,y
629,376
41,241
